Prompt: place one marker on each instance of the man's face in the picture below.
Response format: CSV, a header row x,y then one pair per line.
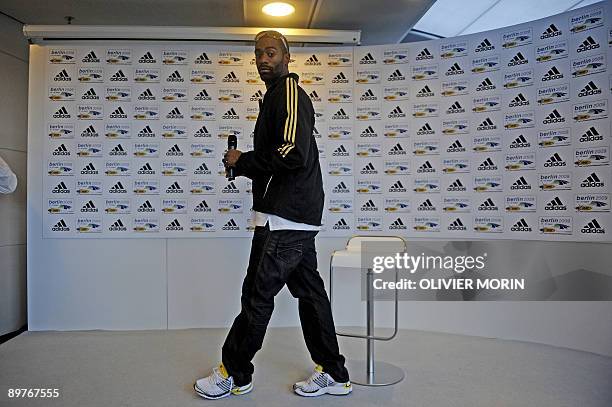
x,y
270,59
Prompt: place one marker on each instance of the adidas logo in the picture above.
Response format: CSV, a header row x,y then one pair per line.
x,y
174,151
60,226
175,114
591,135
62,76
90,132
425,130
146,170
588,45
90,95
424,55
486,85
369,206
520,142
555,160
592,181
60,188
397,150
487,165
485,45
425,92
147,58
314,96
555,205
203,95
456,147
117,226
117,151
202,132
488,205
175,188
91,58
202,170
426,206
203,59
590,89
118,113
340,152
518,59
231,78
367,59
520,183
312,61
89,207
230,189
396,113
146,132
554,117
174,226
552,74
340,115
257,96
341,225
592,227
202,207
487,124
368,95
341,188
455,69
231,115
62,113
146,207
61,150
231,225
175,77
521,226
456,186
519,100
340,78
117,189
397,224
118,76
426,167
89,169
397,187
368,132
396,76
455,108
457,225
550,32
147,95
369,169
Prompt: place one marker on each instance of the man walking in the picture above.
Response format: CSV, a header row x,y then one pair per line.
x,y
287,204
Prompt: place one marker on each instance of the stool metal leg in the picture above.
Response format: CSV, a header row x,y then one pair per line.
x,y
372,373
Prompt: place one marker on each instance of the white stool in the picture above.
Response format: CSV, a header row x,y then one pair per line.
x,y
368,372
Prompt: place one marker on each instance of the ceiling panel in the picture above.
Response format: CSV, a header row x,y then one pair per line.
x,y
255,18
448,17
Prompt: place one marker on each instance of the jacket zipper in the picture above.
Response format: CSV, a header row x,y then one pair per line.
x,y
267,185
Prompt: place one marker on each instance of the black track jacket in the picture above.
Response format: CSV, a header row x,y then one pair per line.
x,y
284,164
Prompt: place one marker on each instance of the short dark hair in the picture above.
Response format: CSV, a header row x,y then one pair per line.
x,y
276,35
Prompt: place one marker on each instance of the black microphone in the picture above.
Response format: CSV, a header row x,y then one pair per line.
x,y
232,143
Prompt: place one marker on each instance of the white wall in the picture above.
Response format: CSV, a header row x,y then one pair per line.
x,y
13,149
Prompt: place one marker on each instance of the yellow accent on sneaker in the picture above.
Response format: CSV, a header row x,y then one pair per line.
x,y
319,368
223,371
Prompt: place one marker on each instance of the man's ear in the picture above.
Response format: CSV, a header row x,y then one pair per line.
x,y
286,58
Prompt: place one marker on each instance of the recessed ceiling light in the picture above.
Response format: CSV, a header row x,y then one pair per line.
x,y
278,9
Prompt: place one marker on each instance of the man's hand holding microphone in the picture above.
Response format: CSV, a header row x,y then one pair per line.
x,y
231,156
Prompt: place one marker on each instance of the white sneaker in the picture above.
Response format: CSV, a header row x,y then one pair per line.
x,y
219,384
321,383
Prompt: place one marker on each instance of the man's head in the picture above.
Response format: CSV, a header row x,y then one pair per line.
x,y
271,55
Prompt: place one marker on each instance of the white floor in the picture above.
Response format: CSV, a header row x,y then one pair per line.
x,y
158,368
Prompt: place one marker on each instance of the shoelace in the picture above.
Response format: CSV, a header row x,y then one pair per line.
x,y
216,377
311,380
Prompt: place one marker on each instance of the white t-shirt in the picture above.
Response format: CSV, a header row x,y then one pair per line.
x,y
278,223
8,180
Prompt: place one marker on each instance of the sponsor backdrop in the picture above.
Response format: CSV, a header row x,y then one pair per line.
x,y
501,134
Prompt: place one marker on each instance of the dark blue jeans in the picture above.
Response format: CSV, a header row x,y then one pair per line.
x,y
277,258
